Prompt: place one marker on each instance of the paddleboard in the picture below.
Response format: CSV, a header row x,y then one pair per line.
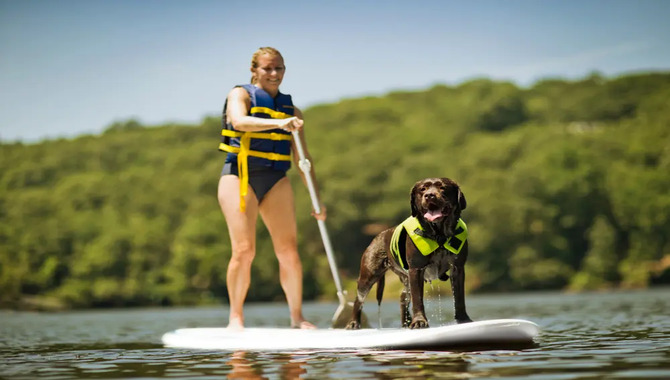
x,y
497,333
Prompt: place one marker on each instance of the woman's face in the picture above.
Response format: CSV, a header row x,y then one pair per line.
x,y
269,73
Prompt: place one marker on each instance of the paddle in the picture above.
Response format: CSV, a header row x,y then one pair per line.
x,y
345,309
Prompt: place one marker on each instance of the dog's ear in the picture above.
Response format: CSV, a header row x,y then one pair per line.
x,y
461,199
412,199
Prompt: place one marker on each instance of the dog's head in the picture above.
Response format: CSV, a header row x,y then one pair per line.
x,y
438,201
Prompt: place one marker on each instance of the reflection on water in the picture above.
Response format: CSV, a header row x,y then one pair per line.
x,y
609,335
247,365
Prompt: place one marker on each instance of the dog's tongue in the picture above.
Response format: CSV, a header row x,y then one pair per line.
x,y
431,215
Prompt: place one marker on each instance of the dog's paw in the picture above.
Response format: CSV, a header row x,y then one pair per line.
x,y
352,325
419,323
443,277
464,320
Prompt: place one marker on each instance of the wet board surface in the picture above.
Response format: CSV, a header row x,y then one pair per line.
x,y
496,333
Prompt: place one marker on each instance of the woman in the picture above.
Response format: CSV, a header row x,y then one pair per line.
x,y
258,122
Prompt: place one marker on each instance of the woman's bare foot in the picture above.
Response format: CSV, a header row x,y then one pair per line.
x,y
236,324
302,325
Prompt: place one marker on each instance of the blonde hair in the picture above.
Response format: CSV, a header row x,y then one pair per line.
x,y
262,50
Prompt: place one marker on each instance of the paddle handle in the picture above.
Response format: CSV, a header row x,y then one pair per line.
x,y
306,167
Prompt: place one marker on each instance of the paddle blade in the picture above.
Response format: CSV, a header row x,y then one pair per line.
x,y
343,315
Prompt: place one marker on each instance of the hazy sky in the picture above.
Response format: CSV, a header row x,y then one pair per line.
x,y
70,67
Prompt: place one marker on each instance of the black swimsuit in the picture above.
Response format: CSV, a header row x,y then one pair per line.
x,y
261,178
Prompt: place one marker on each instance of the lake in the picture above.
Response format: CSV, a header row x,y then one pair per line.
x,y
613,335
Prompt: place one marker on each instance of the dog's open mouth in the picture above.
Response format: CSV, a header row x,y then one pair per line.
x,y
433,213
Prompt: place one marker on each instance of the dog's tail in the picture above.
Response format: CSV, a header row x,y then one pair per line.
x,y
380,289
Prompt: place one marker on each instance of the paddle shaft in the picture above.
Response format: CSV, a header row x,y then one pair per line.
x,y
306,167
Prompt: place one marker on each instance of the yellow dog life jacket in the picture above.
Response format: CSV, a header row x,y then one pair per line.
x,y
426,245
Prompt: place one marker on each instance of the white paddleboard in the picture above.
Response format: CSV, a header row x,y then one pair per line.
x,y
497,333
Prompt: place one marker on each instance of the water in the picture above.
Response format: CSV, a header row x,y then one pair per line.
x,y
622,335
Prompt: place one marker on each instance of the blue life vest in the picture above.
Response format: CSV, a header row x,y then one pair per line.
x,y
277,147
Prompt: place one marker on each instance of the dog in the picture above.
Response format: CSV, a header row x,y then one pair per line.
x,y
421,249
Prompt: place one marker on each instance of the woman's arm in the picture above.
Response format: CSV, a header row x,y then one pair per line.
x,y
237,111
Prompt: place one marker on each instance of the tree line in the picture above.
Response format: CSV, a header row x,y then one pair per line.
x,y
566,181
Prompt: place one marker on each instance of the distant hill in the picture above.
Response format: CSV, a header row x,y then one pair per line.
x,y
566,181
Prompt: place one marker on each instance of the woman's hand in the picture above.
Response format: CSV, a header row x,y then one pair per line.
x,y
292,124
322,215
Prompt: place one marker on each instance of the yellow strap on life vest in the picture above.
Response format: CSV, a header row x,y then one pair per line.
x,y
244,151
257,135
272,113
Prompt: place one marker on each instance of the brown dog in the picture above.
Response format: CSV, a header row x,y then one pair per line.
x,y
421,249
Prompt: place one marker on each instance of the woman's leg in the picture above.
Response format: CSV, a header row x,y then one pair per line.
x,y
242,230
278,212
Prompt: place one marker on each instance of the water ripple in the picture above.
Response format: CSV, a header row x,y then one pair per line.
x,y
610,335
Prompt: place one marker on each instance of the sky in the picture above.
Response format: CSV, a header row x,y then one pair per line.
x,y
73,67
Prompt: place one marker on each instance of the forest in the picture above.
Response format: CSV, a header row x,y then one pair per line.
x,y
567,184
